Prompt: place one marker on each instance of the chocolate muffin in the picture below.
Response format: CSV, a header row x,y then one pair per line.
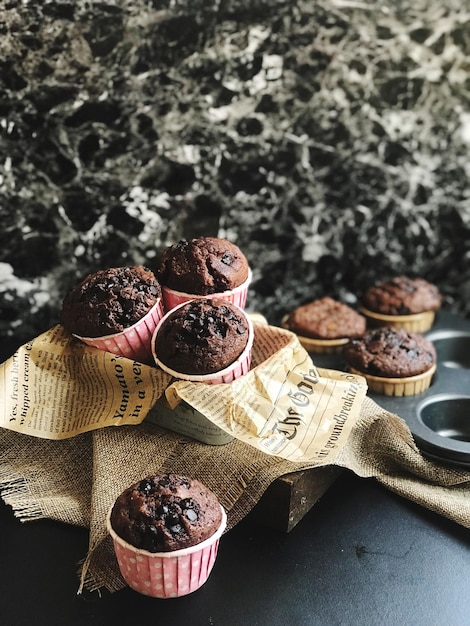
x,y
202,266
109,301
166,512
202,336
402,296
391,353
326,318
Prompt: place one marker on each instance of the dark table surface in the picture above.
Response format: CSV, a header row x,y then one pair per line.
x,y
362,555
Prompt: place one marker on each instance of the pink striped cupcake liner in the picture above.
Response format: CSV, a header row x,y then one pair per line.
x,y
133,342
236,369
238,296
166,574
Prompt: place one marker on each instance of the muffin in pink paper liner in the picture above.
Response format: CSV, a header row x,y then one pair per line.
x,y
204,340
115,309
238,295
202,267
133,342
165,531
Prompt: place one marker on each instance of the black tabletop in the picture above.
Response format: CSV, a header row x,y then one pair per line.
x,y
362,555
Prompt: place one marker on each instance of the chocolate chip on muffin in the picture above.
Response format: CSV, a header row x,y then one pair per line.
x,y
166,512
109,301
390,352
202,336
402,295
202,266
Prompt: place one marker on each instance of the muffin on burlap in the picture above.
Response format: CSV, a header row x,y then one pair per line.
x,y
324,325
201,267
403,302
394,361
166,512
166,530
115,309
207,340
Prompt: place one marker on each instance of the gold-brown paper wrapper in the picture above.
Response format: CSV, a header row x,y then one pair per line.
x,y
317,345
406,386
413,323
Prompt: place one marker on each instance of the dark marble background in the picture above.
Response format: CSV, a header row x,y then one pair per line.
x,y
329,140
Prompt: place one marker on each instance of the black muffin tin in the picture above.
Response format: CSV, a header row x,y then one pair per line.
x,y
439,418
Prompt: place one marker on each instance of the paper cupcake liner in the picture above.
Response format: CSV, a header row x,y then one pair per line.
x,y
133,342
413,323
238,296
408,386
166,574
236,369
322,346
318,346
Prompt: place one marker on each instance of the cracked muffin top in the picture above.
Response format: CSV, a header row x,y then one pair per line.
x,y
202,337
326,318
402,295
109,301
390,352
166,512
202,266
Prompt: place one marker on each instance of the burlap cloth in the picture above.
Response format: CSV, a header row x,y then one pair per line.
x,y
76,480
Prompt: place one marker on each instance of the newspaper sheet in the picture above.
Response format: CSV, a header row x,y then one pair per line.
x,y
56,387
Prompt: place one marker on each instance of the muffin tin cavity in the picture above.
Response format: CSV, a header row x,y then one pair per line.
x,y
447,416
452,347
439,418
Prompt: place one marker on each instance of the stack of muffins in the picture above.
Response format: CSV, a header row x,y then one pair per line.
x,y
187,317
383,341
205,335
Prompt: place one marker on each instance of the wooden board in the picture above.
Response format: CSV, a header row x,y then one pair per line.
x,y
289,498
